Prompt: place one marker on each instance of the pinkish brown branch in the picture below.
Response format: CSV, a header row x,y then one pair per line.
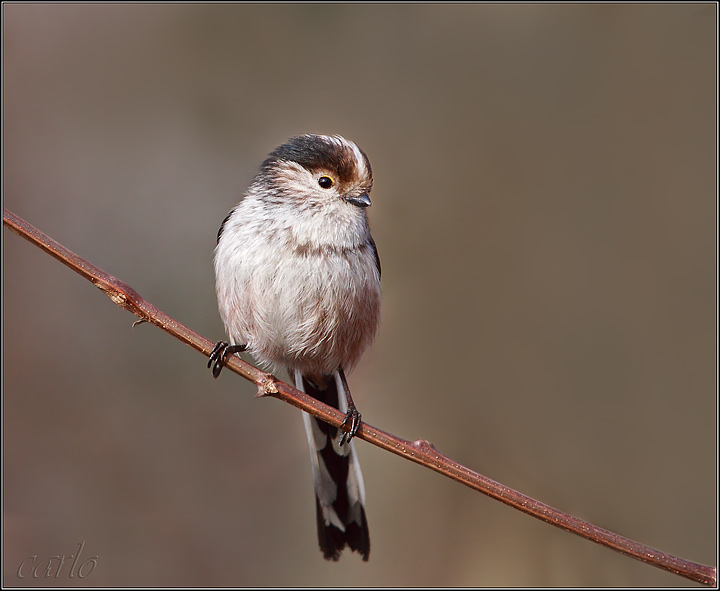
x,y
419,451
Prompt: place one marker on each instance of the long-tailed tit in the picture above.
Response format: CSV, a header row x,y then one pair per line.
x,y
298,287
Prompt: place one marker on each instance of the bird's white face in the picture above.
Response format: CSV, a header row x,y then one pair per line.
x,y
317,172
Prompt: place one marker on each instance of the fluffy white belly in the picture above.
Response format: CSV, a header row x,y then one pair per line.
x,y
311,311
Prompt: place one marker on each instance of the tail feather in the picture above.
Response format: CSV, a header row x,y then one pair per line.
x,y
338,482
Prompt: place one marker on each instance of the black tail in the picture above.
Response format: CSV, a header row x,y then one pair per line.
x,y
339,499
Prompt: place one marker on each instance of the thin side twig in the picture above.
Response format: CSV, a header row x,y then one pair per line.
x,y
419,451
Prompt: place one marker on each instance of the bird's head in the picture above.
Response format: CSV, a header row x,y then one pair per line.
x,y
316,172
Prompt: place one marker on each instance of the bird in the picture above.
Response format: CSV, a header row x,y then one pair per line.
x,y
298,287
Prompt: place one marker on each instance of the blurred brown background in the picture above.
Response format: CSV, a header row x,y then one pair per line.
x,y
544,207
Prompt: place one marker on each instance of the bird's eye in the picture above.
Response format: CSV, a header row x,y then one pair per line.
x,y
326,182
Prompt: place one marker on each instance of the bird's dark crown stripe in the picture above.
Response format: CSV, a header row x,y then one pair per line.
x,y
317,153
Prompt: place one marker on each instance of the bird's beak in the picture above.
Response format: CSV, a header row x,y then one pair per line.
x,y
360,201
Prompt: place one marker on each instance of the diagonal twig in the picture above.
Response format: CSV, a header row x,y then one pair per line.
x,y
419,451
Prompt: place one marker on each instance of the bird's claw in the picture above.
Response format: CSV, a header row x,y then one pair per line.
x,y
354,418
220,353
